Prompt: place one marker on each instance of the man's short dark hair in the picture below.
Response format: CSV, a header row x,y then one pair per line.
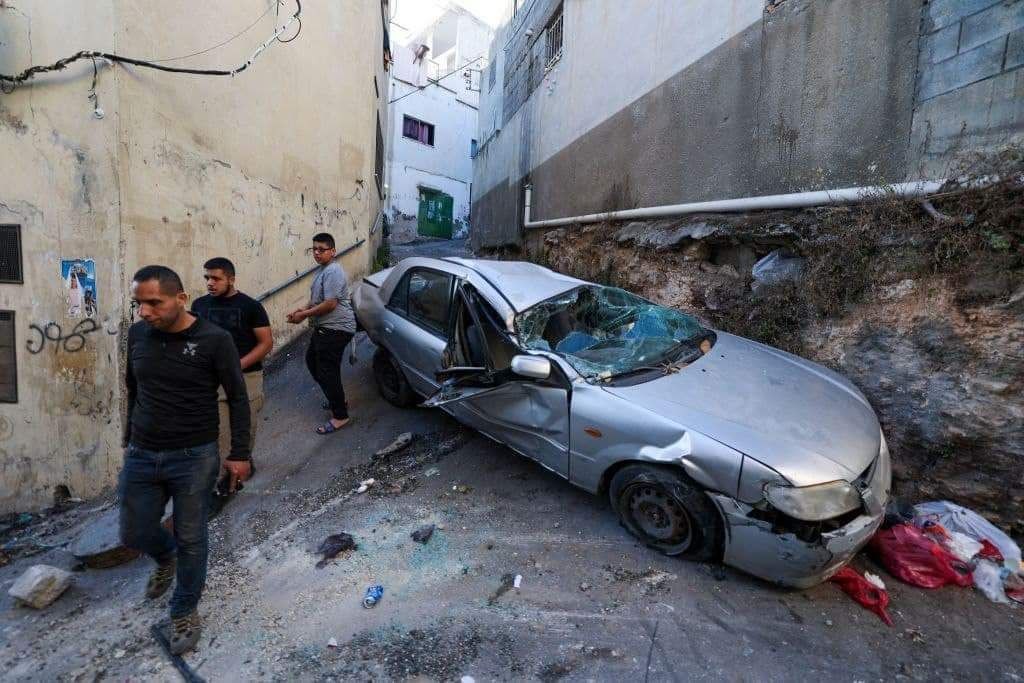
x,y
169,281
324,238
220,263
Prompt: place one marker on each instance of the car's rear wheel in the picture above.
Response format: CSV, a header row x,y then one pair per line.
x,y
667,511
391,381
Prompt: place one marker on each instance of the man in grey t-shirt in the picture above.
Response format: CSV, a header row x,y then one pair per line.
x,y
334,324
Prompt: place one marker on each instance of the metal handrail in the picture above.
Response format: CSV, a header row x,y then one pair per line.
x,y
298,276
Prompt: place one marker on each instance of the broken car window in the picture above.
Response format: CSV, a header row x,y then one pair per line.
x,y
605,331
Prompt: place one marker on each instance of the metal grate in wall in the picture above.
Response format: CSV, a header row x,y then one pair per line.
x,y
8,359
10,254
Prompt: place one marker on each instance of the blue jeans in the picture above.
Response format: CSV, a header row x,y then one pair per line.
x,y
148,480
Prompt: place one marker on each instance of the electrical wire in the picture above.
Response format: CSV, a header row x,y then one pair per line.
x,y
9,82
272,5
436,81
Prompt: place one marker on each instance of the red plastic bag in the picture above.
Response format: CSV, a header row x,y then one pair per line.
x,y
912,557
990,552
864,592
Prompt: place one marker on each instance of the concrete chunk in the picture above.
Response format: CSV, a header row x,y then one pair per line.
x,y
40,585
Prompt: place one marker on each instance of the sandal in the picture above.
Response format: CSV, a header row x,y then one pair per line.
x,y
329,428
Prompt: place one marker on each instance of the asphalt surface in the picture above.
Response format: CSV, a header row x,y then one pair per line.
x,y
592,603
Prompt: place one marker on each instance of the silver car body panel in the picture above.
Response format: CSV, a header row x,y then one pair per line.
x,y
735,419
795,417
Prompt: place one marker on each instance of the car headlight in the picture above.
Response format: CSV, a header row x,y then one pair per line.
x,y
813,503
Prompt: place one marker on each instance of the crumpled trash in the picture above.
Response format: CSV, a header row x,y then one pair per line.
x,y
961,545
988,578
864,592
1014,586
911,556
333,545
423,534
778,266
990,552
400,442
955,517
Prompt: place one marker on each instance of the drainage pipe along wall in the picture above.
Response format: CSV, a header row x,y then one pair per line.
x,y
796,200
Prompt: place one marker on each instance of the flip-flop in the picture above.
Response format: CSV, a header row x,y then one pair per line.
x,y
329,428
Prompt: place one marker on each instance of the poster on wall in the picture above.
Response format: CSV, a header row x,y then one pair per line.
x,y
79,277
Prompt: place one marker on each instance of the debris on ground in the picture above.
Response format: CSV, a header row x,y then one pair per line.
x,y
912,557
584,586
864,592
373,595
333,545
461,488
99,545
874,580
365,485
988,578
423,534
957,518
398,444
333,642
507,581
518,581
651,580
40,585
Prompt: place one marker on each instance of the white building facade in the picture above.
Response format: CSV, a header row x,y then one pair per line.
x,y
434,96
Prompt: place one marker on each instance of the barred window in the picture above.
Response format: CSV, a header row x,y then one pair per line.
x,y
553,44
8,359
10,254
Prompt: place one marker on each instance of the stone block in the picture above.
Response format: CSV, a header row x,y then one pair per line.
x,y
941,13
964,69
1015,50
996,21
941,45
40,585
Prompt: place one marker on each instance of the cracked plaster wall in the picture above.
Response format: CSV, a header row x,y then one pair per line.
x,y
179,169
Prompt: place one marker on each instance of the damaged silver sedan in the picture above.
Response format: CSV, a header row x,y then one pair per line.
x,y
708,445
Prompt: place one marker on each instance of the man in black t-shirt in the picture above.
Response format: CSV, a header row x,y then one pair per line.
x,y
247,321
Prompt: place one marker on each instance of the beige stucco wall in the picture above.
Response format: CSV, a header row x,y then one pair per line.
x,y
179,169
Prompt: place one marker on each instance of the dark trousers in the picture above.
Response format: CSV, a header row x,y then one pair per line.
x,y
148,480
323,358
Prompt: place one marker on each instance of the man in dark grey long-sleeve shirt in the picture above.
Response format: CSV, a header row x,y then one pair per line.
x,y
176,362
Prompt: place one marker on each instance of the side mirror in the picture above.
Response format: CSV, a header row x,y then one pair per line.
x,y
534,367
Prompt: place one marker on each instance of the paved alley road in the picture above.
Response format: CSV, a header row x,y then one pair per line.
x,y
593,604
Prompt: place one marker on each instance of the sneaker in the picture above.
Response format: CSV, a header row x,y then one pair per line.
x,y
161,579
185,632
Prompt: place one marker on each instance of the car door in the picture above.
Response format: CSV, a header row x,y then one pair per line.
x,y
415,325
528,414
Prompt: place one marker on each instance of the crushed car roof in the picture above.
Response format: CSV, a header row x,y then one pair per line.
x,y
523,284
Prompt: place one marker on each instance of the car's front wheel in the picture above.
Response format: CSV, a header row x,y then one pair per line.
x,y
391,381
668,512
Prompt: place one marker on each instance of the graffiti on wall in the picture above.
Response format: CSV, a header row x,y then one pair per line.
x,y
52,334
79,278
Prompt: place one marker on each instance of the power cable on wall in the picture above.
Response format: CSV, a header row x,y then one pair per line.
x,y
9,82
436,81
272,5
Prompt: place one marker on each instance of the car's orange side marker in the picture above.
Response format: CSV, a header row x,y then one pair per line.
x,y
594,432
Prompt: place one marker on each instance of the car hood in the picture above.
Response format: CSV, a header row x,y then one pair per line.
x,y
802,420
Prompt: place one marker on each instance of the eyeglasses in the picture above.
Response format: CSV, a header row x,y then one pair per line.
x,y
320,250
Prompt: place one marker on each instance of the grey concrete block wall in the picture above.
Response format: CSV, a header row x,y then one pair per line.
x,y
969,91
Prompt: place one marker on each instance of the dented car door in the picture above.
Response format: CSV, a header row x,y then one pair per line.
x,y
488,385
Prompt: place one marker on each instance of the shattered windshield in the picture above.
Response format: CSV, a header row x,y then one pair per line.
x,y
604,331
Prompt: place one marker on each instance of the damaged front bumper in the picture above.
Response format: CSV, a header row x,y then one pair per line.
x,y
754,546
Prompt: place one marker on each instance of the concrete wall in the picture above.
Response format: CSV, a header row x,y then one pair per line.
x,y
806,95
451,107
970,85
179,169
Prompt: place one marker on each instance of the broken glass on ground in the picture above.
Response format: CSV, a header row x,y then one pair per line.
x,y
606,331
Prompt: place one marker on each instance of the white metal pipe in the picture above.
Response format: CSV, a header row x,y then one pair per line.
x,y
796,200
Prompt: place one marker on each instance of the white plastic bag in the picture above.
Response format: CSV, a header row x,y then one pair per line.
x,y
778,266
988,578
954,517
962,545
